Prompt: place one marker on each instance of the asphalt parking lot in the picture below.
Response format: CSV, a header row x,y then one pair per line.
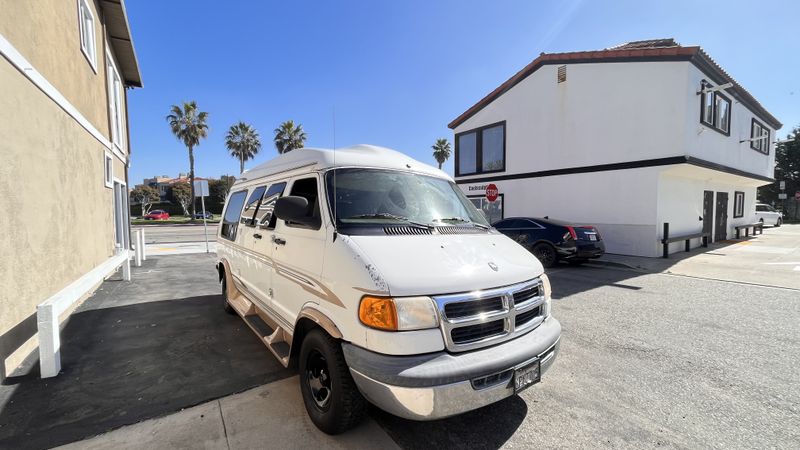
x,y
647,360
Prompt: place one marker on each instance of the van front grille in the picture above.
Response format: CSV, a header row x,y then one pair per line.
x,y
523,318
472,333
478,319
456,310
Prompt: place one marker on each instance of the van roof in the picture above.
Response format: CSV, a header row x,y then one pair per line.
x,y
355,156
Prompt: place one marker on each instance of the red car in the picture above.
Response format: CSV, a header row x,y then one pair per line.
x,y
158,214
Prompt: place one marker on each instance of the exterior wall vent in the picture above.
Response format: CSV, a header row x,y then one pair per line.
x,y
562,74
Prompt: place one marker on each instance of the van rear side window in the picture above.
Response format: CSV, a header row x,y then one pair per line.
x,y
252,206
230,221
264,216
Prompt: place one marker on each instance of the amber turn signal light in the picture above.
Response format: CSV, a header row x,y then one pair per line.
x,y
378,312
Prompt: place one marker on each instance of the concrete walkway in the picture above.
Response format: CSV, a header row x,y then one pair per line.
x,y
270,416
769,259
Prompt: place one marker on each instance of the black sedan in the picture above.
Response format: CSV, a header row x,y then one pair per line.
x,y
200,214
554,240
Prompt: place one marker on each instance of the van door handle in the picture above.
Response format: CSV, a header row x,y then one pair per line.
x,y
278,241
257,236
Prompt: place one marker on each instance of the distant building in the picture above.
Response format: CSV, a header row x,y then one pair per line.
x,y
64,71
163,183
625,138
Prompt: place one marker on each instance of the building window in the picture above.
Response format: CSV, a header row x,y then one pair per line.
x,y
115,102
715,110
86,29
230,220
738,204
108,169
482,150
493,211
759,137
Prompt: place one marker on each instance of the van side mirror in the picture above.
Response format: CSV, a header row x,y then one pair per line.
x,y
293,209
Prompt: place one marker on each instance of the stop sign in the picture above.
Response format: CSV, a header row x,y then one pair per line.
x,y
796,194
491,192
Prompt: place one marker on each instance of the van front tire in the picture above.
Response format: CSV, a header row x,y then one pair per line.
x,y
330,395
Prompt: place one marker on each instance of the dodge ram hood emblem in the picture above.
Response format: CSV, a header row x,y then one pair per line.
x,y
493,266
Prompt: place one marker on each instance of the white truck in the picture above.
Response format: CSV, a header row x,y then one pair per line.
x,y
379,280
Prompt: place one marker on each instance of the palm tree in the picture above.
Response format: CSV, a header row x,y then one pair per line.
x,y
189,126
243,142
289,137
441,151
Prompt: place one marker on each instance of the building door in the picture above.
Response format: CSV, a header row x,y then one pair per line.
x,y
721,217
121,237
708,212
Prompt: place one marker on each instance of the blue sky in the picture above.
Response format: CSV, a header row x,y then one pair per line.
x,y
396,72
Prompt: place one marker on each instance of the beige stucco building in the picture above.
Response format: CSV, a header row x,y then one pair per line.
x,y
64,153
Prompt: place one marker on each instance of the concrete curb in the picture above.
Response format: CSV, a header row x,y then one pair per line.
x,y
601,262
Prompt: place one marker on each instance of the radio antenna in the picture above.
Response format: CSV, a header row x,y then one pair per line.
x,y
335,198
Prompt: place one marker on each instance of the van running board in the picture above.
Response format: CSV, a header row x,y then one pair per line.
x,y
275,337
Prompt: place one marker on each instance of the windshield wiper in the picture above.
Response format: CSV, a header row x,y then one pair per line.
x,y
389,216
461,219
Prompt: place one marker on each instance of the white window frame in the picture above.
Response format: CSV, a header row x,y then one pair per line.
x,y
759,144
108,169
86,31
115,110
738,204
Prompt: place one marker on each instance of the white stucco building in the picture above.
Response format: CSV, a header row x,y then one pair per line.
x,y
625,139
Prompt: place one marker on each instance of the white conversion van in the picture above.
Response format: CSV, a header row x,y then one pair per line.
x,y
377,278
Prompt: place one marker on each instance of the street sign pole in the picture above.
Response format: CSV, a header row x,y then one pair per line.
x,y
201,190
205,227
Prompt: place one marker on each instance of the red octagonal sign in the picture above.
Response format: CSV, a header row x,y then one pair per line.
x,y
491,192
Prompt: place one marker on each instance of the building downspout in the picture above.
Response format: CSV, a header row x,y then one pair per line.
x,y
127,165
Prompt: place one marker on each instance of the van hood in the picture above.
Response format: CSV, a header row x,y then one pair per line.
x,y
445,264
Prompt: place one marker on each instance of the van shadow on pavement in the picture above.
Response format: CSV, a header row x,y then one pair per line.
x,y
125,364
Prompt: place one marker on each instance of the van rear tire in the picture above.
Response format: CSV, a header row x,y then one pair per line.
x,y
330,395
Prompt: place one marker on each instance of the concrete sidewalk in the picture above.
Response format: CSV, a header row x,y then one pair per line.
x,y
769,259
270,416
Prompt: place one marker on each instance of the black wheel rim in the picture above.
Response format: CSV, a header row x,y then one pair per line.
x,y
544,254
318,379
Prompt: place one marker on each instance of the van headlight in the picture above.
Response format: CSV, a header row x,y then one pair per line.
x,y
548,292
398,314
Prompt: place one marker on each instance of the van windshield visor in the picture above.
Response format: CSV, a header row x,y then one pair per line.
x,y
390,197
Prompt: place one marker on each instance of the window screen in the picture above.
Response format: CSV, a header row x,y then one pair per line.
x,y
230,221
467,153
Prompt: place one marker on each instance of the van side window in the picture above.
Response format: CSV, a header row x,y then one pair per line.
x,y
307,188
252,206
230,221
264,216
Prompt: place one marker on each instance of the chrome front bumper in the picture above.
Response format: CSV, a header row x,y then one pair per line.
x,y
410,387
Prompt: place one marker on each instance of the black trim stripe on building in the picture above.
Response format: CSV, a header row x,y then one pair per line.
x,y
669,161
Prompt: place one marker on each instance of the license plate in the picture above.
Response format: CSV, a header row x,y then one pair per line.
x,y
592,237
526,376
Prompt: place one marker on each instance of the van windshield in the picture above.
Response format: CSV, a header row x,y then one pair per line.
x,y
380,197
